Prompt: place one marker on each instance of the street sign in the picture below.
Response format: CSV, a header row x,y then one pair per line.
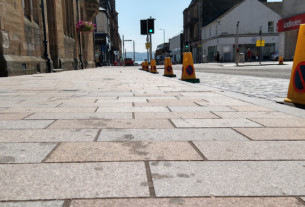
x,y
299,77
147,45
260,43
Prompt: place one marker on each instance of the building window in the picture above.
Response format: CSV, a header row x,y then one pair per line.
x,y
36,10
270,26
68,21
27,8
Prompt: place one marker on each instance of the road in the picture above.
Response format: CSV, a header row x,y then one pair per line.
x,y
269,81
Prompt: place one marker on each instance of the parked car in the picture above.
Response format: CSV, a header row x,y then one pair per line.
x,y
128,62
275,56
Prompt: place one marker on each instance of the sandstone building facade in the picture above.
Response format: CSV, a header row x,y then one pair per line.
x,y
22,35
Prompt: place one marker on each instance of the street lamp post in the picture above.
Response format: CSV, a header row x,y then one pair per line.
x,y
79,37
236,44
163,40
45,41
163,36
124,52
134,51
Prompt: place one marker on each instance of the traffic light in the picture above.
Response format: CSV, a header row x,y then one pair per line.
x,y
143,27
186,44
151,26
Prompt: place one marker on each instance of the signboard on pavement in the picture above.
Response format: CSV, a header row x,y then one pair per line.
x,y
260,43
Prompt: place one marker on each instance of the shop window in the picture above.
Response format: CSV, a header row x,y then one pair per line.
x,y
270,26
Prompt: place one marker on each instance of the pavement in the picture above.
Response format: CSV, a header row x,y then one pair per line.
x,y
118,136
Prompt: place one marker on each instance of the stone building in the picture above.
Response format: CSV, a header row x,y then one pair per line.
x,y
22,48
107,38
199,14
219,36
288,26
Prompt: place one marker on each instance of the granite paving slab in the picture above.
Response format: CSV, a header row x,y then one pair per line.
x,y
24,152
169,134
175,115
296,122
132,109
252,150
33,204
187,202
52,110
258,114
13,116
228,178
25,124
273,134
172,101
202,94
123,151
222,102
67,181
250,108
200,109
68,116
177,103
115,124
105,104
132,99
48,135
190,123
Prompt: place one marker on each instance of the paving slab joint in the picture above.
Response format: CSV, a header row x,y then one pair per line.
x,y
301,200
242,134
198,151
50,153
67,203
150,182
97,135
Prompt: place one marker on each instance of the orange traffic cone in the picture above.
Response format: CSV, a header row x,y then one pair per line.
x,y
153,67
168,68
188,70
143,66
296,91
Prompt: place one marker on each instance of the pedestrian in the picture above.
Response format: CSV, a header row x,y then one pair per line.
x,y
217,56
249,55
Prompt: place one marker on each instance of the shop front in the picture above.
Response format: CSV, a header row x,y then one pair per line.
x,y
289,29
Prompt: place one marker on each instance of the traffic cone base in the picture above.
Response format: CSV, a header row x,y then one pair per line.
x,y
170,76
296,91
195,80
188,70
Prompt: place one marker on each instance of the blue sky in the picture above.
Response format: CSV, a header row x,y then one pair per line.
x,y
168,15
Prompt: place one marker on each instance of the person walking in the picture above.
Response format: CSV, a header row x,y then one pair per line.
x,y
249,55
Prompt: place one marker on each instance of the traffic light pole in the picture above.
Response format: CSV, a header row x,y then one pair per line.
x,y
147,41
261,47
150,46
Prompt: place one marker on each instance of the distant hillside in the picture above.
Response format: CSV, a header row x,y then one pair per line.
x,y
140,56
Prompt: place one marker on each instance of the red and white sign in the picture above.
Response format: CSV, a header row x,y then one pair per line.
x,y
291,23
